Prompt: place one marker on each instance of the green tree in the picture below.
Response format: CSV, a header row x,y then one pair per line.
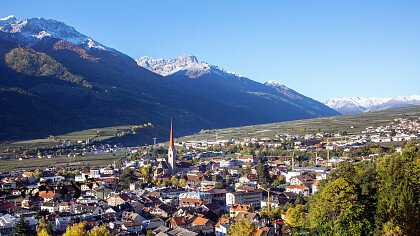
x,y
218,185
21,228
127,177
150,233
242,228
390,229
296,217
399,190
262,172
336,210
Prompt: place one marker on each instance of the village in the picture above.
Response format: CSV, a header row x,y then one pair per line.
x,y
198,187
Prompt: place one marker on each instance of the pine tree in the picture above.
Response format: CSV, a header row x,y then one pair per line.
x,y
21,228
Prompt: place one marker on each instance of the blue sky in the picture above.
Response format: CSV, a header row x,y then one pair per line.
x,y
322,49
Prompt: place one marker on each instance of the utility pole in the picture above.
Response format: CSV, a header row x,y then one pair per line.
x,y
293,161
268,198
328,149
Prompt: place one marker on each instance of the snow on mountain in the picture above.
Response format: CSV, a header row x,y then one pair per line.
x,y
31,31
366,104
188,63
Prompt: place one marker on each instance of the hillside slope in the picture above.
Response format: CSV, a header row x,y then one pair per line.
x,y
56,80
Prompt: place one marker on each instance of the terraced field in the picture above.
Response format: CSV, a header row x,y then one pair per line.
x,y
348,123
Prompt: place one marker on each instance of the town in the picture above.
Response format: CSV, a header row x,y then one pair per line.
x,y
197,187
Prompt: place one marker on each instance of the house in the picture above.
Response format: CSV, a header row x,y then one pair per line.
x,y
178,231
132,227
132,217
177,221
49,196
102,192
162,210
222,226
194,199
237,208
117,199
245,197
298,189
201,222
265,231
218,195
277,200
51,207
152,224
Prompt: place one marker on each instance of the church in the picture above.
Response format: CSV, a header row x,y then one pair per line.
x,y
167,168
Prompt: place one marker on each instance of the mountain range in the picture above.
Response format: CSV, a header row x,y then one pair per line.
x,y
54,80
367,104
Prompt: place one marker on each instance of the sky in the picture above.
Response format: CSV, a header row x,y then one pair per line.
x,y
322,49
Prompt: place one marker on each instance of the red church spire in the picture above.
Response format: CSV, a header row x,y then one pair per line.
x,y
171,137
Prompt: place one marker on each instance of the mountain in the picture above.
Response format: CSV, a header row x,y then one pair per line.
x,y
269,101
367,104
56,80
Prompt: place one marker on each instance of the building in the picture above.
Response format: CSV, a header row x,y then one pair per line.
x,y
252,198
167,167
298,189
171,151
194,199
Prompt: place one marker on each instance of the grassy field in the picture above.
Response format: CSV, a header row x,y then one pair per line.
x,y
99,134
311,126
81,161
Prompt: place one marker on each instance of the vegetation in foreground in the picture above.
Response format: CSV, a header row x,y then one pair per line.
x,y
365,198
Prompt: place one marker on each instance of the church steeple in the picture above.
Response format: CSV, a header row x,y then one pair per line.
x,y
171,136
172,150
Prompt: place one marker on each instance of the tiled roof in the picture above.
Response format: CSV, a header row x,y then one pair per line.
x,y
200,221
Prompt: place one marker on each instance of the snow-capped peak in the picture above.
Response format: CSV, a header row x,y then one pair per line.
x,y
188,63
30,31
11,17
92,44
364,104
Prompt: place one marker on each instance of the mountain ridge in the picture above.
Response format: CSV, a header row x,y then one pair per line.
x,y
348,105
121,91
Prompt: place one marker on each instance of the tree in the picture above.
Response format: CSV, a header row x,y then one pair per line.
x,y
76,230
150,233
44,226
21,228
218,185
182,182
390,229
296,216
242,228
127,176
276,183
174,181
43,232
336,210
398,191
144,171
99,231
262,172
273,214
